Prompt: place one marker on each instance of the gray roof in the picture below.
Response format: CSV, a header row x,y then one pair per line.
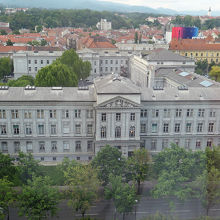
x,y
188,79
115,84
165,55
173,94
45,94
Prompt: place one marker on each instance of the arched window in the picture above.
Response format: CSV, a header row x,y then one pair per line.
x,y
132,131
118,132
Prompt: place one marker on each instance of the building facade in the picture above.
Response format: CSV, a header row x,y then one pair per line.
x,y
53,123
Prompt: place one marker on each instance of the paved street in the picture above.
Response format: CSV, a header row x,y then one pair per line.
x,y
146,206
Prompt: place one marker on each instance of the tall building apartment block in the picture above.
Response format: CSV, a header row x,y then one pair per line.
x,y
104,25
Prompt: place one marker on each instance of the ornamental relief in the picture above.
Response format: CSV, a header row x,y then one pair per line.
x,y
119,103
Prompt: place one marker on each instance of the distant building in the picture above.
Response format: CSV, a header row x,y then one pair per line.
x,y
209,12
198,49
104,25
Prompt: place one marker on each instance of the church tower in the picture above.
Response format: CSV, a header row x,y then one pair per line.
x,y
209,12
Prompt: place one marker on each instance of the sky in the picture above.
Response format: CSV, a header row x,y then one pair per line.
x,y
179,5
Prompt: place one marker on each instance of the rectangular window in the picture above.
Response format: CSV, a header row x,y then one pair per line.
x,y
143,128
66,127
164,143
41,129
154,128
155,113
106,69
143,113
132,131
209,143
178,112
27,114
211,127
166,113
16,129
89,129
199,127
89,113
212,113
14,114
106,61
52,113
42,62
78,128
3,130
188,127
118,116
2,114
132,116
103,132
29,146
78,146
16,146
53,129
48,62
189,113
77,113
4,147
53,146
89,146
153,145
66,114
66,146
41,146
40,114
165,128
35,69
187,143
28,130
198,144
201,112
29,69
177,128
118,132
35,61
29,61
103,117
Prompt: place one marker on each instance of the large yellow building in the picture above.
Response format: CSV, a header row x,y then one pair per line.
x,y
199,49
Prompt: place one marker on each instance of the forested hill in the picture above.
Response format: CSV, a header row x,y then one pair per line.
x,y
72,18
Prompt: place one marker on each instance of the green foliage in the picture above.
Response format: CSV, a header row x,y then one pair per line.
x,y
28,167
159,216
39,28
76,65
6,67
38,200
9,43
123,194
16,32
213,158
108,161
136,37
215,73
175,167
187,21
43,42
138,166
84,185
7,168
34,43
3,32
7,196
202,67
21,82
56,74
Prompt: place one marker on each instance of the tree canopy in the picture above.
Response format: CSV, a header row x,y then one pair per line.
x,y
215,73
6,67
108,161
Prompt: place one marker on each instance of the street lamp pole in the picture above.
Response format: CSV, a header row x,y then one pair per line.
x,y
135,207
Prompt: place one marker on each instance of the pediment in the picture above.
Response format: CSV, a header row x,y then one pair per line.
x,y
118,102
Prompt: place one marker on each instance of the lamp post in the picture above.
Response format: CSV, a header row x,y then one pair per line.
x,y
135,207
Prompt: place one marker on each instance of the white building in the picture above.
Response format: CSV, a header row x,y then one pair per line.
x,y
29,62
53,123
104,25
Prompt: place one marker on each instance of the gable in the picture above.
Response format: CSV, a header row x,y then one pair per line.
x,y
118,103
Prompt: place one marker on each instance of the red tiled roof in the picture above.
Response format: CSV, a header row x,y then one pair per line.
x,y
194,44
7,49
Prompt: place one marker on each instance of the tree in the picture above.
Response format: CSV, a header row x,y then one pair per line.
x,y
123,195
84,185
43,42
56,74
38,200
28,167
215,73
138,166
175,167
136,37
3,32
7,197
9,43
76,65
16,32
21,82
7,168
202,67
108,161
207,187
6,67
39,28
